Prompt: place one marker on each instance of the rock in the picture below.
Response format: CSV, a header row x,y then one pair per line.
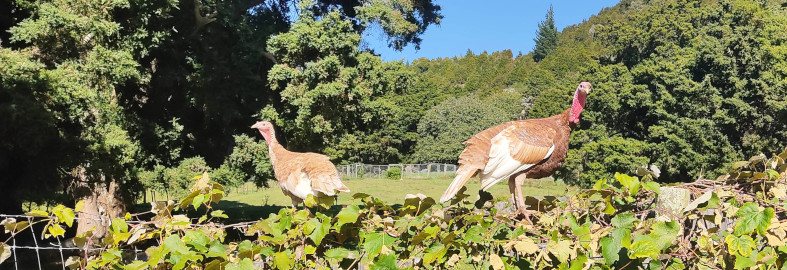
x,y
671,203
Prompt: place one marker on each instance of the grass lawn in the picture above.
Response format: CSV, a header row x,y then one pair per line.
x,y
257,204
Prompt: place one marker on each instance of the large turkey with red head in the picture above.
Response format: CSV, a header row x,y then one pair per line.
x,y
516,150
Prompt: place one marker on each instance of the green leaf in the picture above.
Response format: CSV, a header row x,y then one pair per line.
x,y
742,245
752,218
579,263
309,249
245,264
119,226
610,249
337,253
473,235
282,261
216,250
197,201
660,238
583,235
374,242
300,216
434,253
652,186
218,214
174,244
624,220
744,262
629,182
600,184
64,214
348,214
185,202
246,249
609,209
197,239
320,230
135,265
676,264
385,263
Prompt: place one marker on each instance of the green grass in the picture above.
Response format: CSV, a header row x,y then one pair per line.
x,y
256,204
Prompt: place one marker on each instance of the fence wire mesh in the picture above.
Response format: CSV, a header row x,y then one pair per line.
x,y
426,170
32,251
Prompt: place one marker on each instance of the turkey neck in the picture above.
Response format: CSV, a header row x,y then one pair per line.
x,y
274,148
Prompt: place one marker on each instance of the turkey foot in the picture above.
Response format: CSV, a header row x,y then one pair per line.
x,y
515,187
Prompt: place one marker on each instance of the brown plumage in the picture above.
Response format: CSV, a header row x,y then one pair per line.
x,y
300,174
533,148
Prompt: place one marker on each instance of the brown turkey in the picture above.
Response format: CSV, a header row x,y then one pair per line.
x,y
300,174
533,148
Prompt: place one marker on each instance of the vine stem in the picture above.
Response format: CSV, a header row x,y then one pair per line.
x,y
357,260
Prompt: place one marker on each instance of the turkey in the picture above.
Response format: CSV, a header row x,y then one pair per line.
x,y
515,150
300,174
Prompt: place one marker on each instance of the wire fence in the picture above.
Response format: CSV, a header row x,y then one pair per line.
x,y
410,171
36,252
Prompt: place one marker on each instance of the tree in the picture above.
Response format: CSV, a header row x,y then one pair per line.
x,y
444,127
100,98
546,37
321,68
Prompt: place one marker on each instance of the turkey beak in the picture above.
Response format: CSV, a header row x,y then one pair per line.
x,y
586,87
255,125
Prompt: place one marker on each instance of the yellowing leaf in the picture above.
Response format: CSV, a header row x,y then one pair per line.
x,y
310,201
774,240
5,252
525,245
742,245
38,213
496,262
751,218
561,249
56,230
79,206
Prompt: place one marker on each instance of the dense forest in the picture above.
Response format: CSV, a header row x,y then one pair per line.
x,y
126,95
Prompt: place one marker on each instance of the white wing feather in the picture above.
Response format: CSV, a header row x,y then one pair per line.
x,y
501,165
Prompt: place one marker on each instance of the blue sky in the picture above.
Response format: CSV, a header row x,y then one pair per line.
x,y
492,25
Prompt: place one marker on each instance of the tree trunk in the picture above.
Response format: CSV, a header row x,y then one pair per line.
x,y
103,202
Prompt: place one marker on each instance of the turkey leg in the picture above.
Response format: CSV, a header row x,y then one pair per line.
x,y
519,180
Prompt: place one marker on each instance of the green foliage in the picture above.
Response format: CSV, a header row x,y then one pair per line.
x,y
546,37
602,158
125,90
394,173
248,161
573,232
664,75
321,68
675,83
444,127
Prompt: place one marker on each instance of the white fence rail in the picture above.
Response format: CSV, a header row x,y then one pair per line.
x,y
426,170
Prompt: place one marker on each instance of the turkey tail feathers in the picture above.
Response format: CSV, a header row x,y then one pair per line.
x,y
462,176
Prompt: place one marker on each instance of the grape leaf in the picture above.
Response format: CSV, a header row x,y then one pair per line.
x,y
752,218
